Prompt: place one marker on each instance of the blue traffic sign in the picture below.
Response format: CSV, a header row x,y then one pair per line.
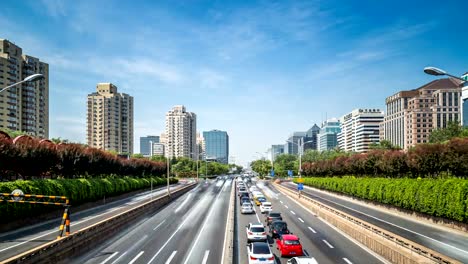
x,y
272,173
290,173
300,186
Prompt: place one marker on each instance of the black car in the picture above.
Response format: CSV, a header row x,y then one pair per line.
x,y
273,216
278,228
244,200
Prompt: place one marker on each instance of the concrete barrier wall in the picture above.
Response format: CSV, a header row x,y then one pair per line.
x,y
392,247
63,249
228,257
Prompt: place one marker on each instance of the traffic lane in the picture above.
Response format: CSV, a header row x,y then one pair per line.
x,y
319,240
448,243
242,221
176,248
162,223
208,245
14,244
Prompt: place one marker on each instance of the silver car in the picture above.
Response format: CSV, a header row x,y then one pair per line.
x,y
247,208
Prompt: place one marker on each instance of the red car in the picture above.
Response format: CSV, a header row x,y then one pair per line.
x,y
289,245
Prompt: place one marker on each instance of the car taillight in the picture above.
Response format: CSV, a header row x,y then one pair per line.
x,y
263,233
252,258
250,233
274,231
272,258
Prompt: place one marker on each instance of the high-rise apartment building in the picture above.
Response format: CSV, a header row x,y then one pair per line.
x,y
201,147
24,107
327,138
276,150
110,119
145,144
359,129
181,133
217,145
464,101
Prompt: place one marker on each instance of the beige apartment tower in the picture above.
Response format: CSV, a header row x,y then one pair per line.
x,y
110,119
181,133
412,115
24,107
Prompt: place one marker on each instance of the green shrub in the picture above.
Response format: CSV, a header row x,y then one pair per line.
x,y
79,191
447,198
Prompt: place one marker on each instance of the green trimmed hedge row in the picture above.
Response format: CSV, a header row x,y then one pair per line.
x,y
79,191
447,198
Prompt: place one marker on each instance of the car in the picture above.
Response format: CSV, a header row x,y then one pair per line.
x,y
247,208
244,199
260,253
241,192
265,207
259,200
302,260
278,228
244,194
273,216
289,246
255,232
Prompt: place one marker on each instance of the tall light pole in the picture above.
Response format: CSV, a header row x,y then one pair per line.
x,y
438,72
300,145
30,78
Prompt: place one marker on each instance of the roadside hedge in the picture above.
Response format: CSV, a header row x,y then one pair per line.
x,y
447,198
79,191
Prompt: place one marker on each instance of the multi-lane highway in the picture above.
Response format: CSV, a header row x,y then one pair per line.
x,y
450,243
318,239
189,230
23,239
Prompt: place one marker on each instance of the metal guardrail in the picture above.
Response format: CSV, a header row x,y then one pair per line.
x,y
60,249
395,257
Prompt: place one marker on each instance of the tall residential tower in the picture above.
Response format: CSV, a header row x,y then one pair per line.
x,y
181,133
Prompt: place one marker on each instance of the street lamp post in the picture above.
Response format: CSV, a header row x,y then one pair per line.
x,y
30,78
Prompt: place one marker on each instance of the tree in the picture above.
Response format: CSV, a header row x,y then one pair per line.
x,y
261,166
138,156
452,130
285,162
384,144
158,158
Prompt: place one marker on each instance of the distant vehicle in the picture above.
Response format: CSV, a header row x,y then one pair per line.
x,y
244,194
289,246
244,200
255,232
265,207
273,216
278,228
302,260
260,253
259,200
247,208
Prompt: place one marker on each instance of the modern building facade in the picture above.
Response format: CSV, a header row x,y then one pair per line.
x,y
201,147
291,146
181,133
110,119
464,101
145,144
327,138
359,129
276,150
311,138
24,107
217,145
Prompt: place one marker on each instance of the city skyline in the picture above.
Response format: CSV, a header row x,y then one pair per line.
x,y
359,59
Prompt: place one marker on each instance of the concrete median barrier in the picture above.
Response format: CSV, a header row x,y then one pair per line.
x,y
63,249
228,250
392,247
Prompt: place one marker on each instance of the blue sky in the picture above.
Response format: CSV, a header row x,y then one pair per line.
x,y
259,70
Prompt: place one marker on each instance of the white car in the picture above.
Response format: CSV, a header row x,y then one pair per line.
x,y
247,208
256,232
260,253
266,207
302,260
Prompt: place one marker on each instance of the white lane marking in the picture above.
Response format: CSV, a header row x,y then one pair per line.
x,y
136,257
117,259
311,229
328,244
169,240
205,258
281,201
286,206
159,224
111,256
226,229
300,219
347,261
406,229
258,218
183,203
292,212
203,226
171,257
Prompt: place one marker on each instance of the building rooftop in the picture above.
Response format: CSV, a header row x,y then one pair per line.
x,y
446,83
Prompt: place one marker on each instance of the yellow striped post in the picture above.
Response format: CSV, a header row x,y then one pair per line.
x,y
62,224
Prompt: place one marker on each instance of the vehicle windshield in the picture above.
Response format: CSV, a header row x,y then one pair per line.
x,y
275,215
261,199
257,229
280,226
262,248
291,242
